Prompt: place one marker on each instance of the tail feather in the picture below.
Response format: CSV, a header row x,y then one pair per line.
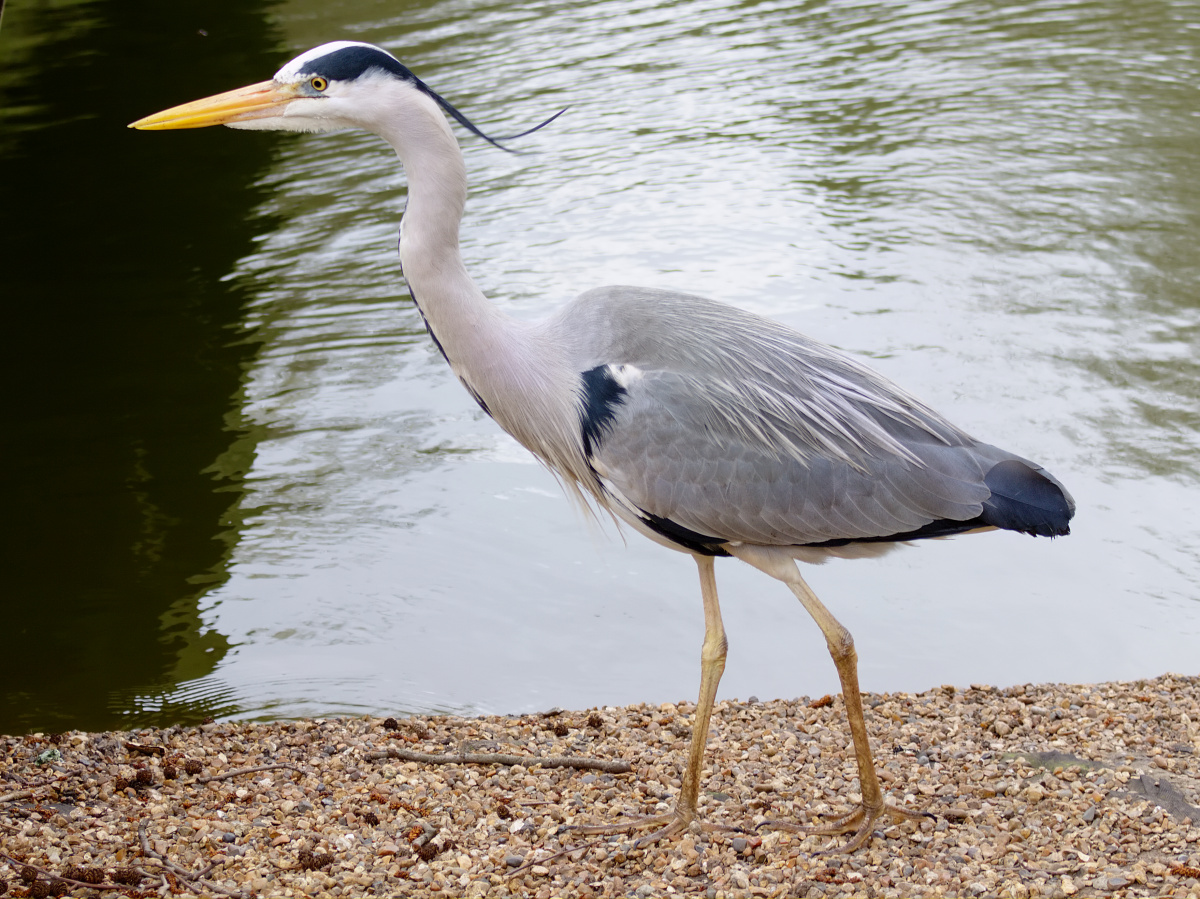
x,y
1028,500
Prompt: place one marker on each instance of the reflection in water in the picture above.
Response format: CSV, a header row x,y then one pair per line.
x,y
120,362
996,203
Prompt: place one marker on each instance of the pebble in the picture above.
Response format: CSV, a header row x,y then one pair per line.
x,y
1070,804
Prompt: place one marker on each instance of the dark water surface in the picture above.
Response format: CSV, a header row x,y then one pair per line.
x,y
240,481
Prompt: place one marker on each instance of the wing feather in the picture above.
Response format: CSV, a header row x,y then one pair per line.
x,y
739,428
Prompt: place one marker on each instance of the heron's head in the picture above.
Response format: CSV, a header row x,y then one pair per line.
x,y
344,84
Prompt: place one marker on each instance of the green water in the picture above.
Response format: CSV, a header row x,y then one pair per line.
x,y
241,482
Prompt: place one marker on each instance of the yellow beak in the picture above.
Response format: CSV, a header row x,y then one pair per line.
x,y
256,101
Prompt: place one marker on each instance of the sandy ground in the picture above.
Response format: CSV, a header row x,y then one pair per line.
x,y
1046,790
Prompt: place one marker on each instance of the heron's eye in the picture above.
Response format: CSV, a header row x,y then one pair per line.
x,y
318,83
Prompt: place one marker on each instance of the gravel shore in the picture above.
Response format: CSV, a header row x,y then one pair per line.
x,y
1048,790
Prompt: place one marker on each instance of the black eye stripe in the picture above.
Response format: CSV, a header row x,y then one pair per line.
x,y
349,63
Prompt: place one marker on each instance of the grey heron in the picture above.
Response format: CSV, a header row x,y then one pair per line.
x,y
708,429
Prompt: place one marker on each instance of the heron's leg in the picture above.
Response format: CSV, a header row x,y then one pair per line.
x,y
841,647
712,665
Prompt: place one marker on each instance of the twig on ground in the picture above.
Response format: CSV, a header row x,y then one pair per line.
x,y
490,758
549,858
28,791
170,867
50,875
228,774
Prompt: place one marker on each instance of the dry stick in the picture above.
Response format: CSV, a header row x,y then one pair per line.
x,y
206,871
176,869
28,792
52,876
237,771
488,758
146,749
550,858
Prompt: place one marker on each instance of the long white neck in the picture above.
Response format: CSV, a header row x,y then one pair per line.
x,y
522,381
474,335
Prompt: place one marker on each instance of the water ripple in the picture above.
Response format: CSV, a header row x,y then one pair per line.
x,y
996,202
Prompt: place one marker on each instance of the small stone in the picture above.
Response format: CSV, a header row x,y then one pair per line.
x,y
1003,814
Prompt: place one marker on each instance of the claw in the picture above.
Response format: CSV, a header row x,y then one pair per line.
x,y
672,824
674,820
861,820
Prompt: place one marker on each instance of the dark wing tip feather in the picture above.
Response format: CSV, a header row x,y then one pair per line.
x,y
1025,499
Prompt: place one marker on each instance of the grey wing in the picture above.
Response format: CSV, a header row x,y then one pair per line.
x,y
673,452
715,425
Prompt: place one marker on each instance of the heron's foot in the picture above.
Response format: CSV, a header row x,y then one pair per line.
x,y
860,820
668,826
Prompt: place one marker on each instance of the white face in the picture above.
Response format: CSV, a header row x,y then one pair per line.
x,y
329,95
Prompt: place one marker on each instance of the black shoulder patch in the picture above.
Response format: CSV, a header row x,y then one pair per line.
x,y
1023,499
349,63
601,395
